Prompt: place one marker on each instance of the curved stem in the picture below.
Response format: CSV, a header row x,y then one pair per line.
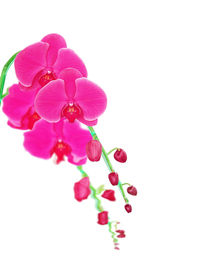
x,y
98,203
126,184
108,163
4,73
113,234
112,150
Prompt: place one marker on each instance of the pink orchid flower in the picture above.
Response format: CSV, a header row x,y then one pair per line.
x,y
18,106
40,63
71,96
62,139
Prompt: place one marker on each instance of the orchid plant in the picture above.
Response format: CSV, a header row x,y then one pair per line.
x,y
51,101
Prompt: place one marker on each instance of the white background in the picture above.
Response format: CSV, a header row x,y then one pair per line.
x,y
146,56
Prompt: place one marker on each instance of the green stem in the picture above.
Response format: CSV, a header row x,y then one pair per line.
x,y
113,234
98,203
108,163
4,73
112,150
126,184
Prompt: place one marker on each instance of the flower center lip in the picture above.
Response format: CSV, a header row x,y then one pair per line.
x,y
61,149
71,112
46,77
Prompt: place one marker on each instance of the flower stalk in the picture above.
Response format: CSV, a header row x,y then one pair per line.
x,y
98,204
108,163
3,75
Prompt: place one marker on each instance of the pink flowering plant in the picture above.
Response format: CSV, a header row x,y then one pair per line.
x,y
52,100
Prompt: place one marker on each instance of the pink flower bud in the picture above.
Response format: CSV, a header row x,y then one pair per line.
x,y
94,150
82,189
132,190
103,218
120,156
109,195
128,208
121,233
113,177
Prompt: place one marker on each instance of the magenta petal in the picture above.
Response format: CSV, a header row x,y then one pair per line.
x,y
17,103
91,98
50,100
69,76
87,122
82,189
30,61
55,42
67,58
40,141
77,138
76,160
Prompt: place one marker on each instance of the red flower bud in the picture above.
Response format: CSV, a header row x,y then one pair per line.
x,y
120,156
128,208
109,195
120,231
82,189
94,150
132,190
103,218
113,177
121,235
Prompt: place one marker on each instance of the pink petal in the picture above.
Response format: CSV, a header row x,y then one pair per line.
x,y
76,160
91,98
69,76
17,104
87,122
82,189
40,141
77,138
50,100
67,58
55,42
30,62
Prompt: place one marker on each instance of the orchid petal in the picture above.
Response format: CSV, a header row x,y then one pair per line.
x,y
87,122
77,138
69,76
30,62
91,98
55,42
40,141
67,58
17,103
50,100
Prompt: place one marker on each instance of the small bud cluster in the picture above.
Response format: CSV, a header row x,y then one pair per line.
x,y
94,153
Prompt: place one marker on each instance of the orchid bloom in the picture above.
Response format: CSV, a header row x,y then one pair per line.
x,y
18,106
52,97
71,96
62,139
35,66
40,63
